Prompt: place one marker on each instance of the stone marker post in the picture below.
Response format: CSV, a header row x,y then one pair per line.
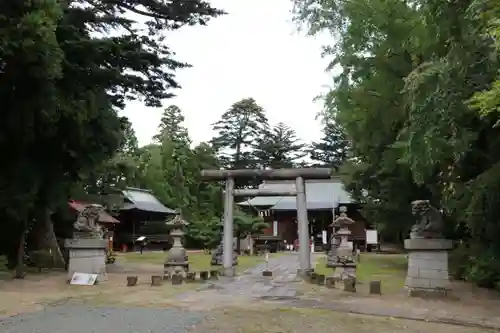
x,y
428,253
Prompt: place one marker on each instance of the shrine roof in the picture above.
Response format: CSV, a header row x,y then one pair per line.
x,y
79,206
144,200
320,194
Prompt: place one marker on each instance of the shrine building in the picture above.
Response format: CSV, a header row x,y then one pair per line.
x,y
324,197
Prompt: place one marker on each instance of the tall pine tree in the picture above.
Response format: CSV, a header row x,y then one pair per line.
x,y
237,131
333,148
278,147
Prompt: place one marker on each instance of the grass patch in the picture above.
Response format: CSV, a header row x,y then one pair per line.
x,y
197,261
390,269
295,320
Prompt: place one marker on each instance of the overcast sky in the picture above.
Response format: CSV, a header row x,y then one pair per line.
x,y
254,51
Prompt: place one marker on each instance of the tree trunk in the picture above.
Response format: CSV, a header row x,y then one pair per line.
x,y
19,272
46,237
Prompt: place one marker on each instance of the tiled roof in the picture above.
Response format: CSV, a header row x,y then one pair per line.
x,y
103,217
144,200
320,194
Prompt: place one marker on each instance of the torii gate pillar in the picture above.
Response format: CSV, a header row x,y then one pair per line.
x,y
299,175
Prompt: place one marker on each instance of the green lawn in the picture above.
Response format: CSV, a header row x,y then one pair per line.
x,y
197,261
390,269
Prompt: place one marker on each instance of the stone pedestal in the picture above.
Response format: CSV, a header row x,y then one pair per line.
x,y
427,266
87,255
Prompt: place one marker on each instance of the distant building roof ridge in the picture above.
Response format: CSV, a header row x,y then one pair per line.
x,y
320,194
145,200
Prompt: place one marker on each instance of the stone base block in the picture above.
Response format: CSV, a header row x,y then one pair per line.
x,y
330,282
229,271
267,273
428,293
87,255
305,273
427,266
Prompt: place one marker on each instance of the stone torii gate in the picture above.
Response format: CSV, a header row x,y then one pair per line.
x,y
299,175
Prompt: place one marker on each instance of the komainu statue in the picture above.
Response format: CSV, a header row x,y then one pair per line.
x,y
86,221
429,220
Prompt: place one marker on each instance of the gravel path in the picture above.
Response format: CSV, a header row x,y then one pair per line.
x,y
84,319
250,286
81,319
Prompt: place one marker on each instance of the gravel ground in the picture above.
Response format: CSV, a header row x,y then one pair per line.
x,y
80,319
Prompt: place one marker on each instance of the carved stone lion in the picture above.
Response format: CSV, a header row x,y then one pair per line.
x,y
429,220
87,219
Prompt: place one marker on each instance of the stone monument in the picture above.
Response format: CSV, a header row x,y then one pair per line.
x,y
87,249
177,261
217,256
428,252
340,257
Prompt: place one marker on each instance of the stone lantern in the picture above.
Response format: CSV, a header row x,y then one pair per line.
x,y
177,261
340,257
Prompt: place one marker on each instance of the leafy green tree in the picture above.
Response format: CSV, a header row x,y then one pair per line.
x,y
412,75
246,225
333,148
206,233
278,147
236,131
62,115
171,125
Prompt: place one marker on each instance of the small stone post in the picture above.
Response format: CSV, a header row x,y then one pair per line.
x,y
177,261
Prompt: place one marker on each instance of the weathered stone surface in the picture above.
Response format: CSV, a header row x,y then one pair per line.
x,y
87,255
427,265
214,275
217,256
267,273
156,280
428,293
132,281
375,287
350,285
177,259
177,279
432,244
330,282
190,277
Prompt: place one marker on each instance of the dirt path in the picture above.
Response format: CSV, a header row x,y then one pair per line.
x,y
245,304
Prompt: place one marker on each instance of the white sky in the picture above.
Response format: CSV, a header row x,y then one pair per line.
x,y
254,51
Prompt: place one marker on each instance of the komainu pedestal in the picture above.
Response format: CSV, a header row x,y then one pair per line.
x,y
87,255
427,253
87,249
